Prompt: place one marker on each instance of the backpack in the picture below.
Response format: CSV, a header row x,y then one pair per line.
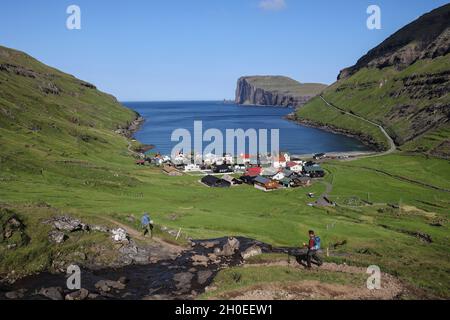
x,y
317,243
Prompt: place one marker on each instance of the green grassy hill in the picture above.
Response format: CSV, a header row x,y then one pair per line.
x,y
49,118
403,85
60,155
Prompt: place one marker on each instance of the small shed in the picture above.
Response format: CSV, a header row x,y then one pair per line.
x,y
224,168
233,181
215,182
302,182
248,179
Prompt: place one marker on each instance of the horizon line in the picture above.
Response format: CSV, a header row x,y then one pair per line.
x,y
180,100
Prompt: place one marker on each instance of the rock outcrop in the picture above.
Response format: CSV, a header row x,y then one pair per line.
x,y
427,37
275,91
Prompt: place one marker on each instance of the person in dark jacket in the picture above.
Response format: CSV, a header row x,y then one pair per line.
x,y
313,248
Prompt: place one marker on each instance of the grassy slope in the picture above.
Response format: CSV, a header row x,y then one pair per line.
x,y
42,132
281,218
50,141
364,95
234,279
286,85
102,180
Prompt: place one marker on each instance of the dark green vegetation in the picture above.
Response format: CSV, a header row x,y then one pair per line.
x,y
403,85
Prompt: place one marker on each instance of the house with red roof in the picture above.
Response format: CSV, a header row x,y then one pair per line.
x,y
294,166
253,171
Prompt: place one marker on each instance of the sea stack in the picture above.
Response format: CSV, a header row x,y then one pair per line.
x,y
277,91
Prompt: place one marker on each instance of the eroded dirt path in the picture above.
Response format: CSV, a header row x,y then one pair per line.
x,y
155,241
391,287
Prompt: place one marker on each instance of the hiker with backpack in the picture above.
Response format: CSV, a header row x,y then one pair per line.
x,y
313,247
147,225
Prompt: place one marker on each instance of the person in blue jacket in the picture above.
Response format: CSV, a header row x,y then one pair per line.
x,y
147,225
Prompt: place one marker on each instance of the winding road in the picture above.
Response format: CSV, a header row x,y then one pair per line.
x,y
392,146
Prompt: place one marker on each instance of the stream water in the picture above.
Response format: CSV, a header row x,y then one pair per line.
x,y
180,278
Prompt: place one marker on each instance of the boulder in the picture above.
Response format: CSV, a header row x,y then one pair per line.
x,y
213,258
57,236
15,295
81,294
130,253
251,252
52,293
119,235
203,276
93,296
66,223
200,260
209,244
183,281
123,280
107,285
99,228
231,247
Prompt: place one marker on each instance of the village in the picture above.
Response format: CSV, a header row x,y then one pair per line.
x,y
266,173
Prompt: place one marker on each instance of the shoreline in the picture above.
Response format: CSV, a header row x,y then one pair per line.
x,y
374,148
131,130
367,141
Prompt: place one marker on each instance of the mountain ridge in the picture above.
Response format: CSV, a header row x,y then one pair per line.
x,y
426,37
403,87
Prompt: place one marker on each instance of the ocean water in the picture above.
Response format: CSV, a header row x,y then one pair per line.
x,y
164,117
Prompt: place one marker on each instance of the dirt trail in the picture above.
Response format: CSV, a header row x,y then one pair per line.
x,y
322,201
391,287
139,236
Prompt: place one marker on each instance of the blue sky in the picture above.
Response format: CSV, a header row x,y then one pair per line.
x,y
195,50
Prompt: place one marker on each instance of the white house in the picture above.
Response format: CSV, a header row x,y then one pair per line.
x,y
209,159
279,176
245,158
191,167
295,166
281,161
228,158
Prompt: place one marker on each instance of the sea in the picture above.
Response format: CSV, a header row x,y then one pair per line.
x,y
162,118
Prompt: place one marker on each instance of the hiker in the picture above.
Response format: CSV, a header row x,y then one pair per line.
x,y
313,248
147,225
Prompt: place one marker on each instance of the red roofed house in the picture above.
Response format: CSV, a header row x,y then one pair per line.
x,y
294,166
253,172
